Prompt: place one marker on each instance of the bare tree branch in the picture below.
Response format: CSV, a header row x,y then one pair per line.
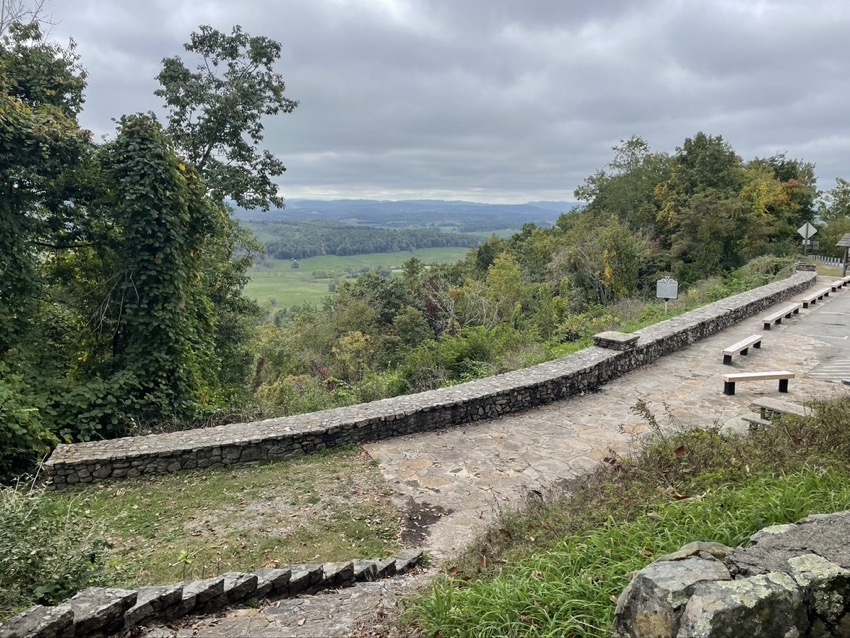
x,y
26,12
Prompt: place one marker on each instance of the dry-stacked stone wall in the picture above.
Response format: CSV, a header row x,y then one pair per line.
x,y
98,611
290,437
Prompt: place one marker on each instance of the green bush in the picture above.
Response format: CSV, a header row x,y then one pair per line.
x,y
50,551
96,409
23,437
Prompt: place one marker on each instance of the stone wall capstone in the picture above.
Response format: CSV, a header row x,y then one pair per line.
x,y
291,437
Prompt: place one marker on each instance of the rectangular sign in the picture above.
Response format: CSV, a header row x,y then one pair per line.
x,y
667,288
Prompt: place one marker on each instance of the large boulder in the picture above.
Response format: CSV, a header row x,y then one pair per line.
x,y
764,606
651,605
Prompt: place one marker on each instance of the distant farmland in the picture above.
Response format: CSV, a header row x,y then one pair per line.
x,y
278,285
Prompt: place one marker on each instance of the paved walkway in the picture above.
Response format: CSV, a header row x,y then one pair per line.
x,y
464,476
473,471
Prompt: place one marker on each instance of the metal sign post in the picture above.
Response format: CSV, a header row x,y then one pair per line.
x,y
667,289
844,242
807,231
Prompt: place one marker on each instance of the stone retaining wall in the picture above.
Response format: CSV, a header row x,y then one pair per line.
x,y
290,437
98,611
792,581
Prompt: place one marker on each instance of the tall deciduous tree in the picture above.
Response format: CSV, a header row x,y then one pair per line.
x,y
216,112
41,93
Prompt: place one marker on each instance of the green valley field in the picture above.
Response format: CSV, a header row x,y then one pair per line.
x,y
277,284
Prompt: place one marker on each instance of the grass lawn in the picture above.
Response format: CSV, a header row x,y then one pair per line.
x,y
330,507
282,287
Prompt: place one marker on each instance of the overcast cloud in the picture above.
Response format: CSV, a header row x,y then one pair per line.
x,y
497,100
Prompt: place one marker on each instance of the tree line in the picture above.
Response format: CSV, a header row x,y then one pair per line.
x,y
294,240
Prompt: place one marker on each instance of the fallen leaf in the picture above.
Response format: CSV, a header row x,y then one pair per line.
x,y
302,621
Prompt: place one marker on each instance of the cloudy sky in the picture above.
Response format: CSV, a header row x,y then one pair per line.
x,y
498,100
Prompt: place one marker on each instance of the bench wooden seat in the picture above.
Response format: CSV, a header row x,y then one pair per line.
x,y
742,347
729,380
768,406
777,316
812,297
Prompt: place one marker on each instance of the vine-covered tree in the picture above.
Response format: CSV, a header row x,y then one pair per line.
x,y
215,113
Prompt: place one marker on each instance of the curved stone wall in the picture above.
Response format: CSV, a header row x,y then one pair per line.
x,y
289,437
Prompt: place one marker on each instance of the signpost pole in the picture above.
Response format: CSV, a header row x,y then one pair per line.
x,y
806,231
844,243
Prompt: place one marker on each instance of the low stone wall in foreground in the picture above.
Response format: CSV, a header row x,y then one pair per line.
x,y
290,437
99,611
793,581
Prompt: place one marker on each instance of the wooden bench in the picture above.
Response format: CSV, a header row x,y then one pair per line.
x,y
729,380
812,297
742,347
777,316
756,422
768,407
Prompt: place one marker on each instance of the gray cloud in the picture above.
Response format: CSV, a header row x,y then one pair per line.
x,y
496,100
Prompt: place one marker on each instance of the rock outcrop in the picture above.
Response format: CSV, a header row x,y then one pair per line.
x,y
793,581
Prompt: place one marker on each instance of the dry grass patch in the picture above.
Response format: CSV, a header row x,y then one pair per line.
x,y
328,507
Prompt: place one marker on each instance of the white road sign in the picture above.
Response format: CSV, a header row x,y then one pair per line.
x,y
807,230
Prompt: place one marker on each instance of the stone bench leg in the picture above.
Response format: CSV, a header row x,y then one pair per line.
x,y
727,359
783,385
729,388
757,345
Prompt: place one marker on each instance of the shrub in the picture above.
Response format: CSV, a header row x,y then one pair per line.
x,y
50,551
23,436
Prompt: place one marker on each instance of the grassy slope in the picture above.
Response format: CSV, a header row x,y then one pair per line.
x,y
288,287
329,507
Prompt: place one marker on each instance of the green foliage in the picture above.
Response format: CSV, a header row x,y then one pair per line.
x,y
24,439
120,278
164,332
40,143
50,550
97,409
216,113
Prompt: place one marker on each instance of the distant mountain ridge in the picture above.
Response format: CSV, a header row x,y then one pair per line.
x,y
468,216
